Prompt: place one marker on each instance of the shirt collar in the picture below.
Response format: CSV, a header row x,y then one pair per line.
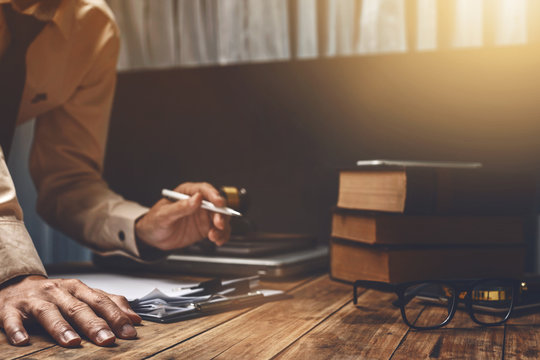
x,y
46,10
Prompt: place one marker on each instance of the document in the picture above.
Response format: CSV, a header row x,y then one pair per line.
x,y
132,287
163,300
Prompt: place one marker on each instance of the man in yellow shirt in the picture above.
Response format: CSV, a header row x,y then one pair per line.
x,y
58,65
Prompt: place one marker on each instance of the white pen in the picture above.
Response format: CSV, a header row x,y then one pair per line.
x,y
207,205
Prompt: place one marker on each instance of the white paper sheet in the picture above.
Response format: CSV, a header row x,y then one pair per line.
x,y
131,287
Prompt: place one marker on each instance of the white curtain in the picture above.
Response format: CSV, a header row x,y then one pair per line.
x,y
382,27
148,33
130,17
232,39
165,33
267,30
341,16
511,21
307,36
160,33
239,31
252,30
426,29
469,23
197,32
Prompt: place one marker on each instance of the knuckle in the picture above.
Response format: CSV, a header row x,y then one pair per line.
x,y
184,185
48,285
42,308
75,308
74,283
101,300
120,299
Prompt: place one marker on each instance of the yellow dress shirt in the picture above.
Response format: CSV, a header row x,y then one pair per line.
x,y
71,76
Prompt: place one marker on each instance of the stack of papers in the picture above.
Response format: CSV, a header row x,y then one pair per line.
x,y
163,300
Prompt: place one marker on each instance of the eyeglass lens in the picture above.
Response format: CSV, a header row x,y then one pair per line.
x,y
491,301
428,304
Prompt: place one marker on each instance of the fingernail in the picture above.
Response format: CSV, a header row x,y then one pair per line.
x,y
69,336
104,335
18,337
128,331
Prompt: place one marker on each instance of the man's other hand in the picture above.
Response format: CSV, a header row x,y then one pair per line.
x,y
175,224
57,304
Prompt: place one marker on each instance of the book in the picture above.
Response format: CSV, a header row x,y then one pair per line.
x,y
428,188
386,228
350,261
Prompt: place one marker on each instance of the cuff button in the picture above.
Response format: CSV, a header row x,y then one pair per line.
x,y
121,235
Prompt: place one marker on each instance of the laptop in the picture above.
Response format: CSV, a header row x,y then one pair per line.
x,y
311,260
273,266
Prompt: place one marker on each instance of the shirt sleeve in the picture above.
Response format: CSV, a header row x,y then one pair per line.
x,y
17,253
66,160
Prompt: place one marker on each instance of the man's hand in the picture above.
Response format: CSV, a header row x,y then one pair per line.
x,y
172,225
57,304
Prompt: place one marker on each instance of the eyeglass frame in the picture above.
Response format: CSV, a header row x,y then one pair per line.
x,y
457,286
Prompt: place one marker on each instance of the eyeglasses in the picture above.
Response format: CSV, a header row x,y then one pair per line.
x,y
427,305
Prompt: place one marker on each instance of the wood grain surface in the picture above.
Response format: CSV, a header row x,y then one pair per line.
x,y
318,322
369,330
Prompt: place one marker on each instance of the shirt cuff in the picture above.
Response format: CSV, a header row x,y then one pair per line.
x,y
17,251
120,226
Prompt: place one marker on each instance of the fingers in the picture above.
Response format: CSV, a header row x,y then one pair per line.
x,y
13,326
94,327
219,221
59,304
179,209
99,303
218,237
221,232
209,192
123,304
175,224
183,208
48,315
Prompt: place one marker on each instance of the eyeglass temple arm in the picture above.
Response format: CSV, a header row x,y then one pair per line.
x,y
412,294
406,298
372,284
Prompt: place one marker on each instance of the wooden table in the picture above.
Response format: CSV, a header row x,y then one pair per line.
x,y
319,322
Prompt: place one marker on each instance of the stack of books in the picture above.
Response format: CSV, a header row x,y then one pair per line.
x,y
399,221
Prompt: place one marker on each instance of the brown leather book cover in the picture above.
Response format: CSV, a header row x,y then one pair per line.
x,y
350,261
385,228
426,188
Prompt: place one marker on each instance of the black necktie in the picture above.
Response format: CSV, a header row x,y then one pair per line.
x,y
23,30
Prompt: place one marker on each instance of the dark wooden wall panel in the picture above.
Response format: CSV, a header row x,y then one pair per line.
x,y
283,130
